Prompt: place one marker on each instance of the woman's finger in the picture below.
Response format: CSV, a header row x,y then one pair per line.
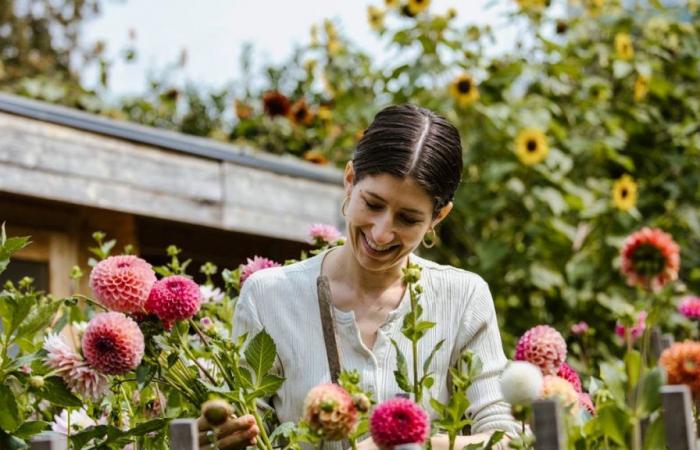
x,y
242,423
239,439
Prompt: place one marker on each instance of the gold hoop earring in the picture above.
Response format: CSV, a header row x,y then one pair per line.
x,y
344,205
430,238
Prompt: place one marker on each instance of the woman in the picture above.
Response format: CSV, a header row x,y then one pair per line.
x,y
399,186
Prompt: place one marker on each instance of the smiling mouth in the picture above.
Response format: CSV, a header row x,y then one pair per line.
x,y
377,251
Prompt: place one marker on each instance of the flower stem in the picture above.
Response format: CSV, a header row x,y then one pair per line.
x,y
261,427
91,301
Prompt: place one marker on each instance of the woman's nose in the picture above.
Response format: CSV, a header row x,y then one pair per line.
x,y
382,231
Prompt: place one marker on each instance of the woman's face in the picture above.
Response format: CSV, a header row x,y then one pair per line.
x,y
387,218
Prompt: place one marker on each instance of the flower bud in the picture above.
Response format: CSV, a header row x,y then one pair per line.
x,y
216,411
36,381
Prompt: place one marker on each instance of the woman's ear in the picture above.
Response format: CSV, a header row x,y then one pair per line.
x,y
348,177
444,211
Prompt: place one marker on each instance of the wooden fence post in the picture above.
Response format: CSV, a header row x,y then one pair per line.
x,y
659,342
678,417
184,434
548,425
48,440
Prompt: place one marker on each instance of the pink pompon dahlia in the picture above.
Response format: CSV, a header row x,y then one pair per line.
x,y
569,374
557,387
330,411
254,265
399,421
122,283
650,259
321,233
690,307
636,330
70,365
113,343
174,298
542,346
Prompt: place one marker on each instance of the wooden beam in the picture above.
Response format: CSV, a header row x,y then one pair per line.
x,y
678,417
548,425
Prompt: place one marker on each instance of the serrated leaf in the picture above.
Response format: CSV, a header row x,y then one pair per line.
x,y
38,319
148,427
80,439
145,373
9,412
283,430
30,428
56,391
260,354
401,372
265,387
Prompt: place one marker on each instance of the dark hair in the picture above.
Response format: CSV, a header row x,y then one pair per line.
x,y
409,141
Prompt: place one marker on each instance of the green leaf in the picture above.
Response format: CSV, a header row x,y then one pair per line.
x,y
260,354
401,372
614,377
9,412
650,391
30,428
545,278
426,364
633,365
145,373
655,436
283,430
148,427
268,385
614,422
80,439
56,391
38,319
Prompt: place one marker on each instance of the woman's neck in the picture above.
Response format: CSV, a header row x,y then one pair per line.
x,y
344,268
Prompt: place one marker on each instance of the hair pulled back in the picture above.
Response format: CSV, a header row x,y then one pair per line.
x,y
409,141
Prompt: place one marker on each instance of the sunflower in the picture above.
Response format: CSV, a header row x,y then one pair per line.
x,y
325,113
641,88
375,17
531,146
623,46
625,193
300,113
464,90
275,103
316,157
334,46
391,4
417,6
650,259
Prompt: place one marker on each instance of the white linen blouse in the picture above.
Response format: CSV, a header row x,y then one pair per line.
x,y
284,302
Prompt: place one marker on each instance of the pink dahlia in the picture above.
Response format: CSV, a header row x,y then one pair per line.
x,y
122,283
557,387
399,421
321,233
636,330
70,365
330,411
690,307
579,328
255,264
569,374
650,259
174,298
542,346
113,343
585,401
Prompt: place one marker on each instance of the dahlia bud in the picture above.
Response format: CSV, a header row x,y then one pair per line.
x,y
216,411
411,274
36,381
362,403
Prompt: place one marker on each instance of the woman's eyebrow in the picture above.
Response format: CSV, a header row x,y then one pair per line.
x,y
378,197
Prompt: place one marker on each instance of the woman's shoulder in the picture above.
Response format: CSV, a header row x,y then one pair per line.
x,y
284,277
446,273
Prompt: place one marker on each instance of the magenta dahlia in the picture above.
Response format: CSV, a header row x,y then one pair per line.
x,y
542,346
255,264
122,283
113,343
569,374
690,307
321,233
650,259
330,411
399,421
174,298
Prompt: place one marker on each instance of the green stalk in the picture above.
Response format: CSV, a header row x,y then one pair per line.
x,y
261,426
417,387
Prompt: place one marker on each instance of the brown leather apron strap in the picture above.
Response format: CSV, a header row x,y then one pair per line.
x,y
325,304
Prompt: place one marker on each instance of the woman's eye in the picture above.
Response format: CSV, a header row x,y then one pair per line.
x,y
373,206
409,221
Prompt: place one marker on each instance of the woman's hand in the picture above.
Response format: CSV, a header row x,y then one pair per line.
x,y
235,433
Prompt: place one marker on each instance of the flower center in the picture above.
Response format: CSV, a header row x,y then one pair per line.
x,y
464,86
623,193
531,145
648,260
104,344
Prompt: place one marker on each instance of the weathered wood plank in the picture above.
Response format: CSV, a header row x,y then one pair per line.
x,y
548,425
48,440
678,417
183,434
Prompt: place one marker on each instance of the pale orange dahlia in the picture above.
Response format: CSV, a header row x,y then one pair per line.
x,y
682,363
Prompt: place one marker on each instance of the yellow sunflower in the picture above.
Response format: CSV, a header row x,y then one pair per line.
x,y
417,6
375,17
594,7
531,146
334,47
464,90
623,46
641,88
391,4
325,113
624,193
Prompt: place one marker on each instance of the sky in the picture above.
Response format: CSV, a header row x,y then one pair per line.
x,y
213,33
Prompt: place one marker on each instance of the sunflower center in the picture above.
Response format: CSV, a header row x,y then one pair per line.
x,y
623,193
464,86
531,145
104,344
301,113
648,260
